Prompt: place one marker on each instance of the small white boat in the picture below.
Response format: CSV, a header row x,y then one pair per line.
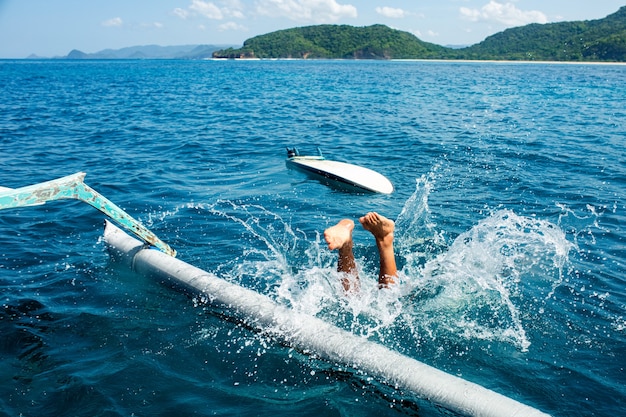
x,y
340,173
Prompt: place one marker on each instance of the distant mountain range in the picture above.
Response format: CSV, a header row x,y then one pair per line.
x,y
592,40
147,52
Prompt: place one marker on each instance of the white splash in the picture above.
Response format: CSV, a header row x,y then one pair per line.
x,y
486,275
474,288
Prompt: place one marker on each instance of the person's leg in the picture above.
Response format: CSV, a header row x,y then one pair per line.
x,y
339,237
382,228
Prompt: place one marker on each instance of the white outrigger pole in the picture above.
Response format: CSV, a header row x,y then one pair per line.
x,y
301,331
73,187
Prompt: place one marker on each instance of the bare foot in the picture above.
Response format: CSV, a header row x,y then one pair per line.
x,y
340,234
339,237
378,225
382,228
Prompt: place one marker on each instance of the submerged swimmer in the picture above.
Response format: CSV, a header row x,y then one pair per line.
x,y
339,237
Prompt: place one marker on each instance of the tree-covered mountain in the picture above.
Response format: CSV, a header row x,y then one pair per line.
x,y
593,40
335,41
589,40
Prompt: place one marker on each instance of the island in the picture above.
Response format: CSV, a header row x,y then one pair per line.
x,y
601,40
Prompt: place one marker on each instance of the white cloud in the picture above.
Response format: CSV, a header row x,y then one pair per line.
x,y
232,26
182,13
391,12
206,9
318,11
505,13
233,8
211,10
116,21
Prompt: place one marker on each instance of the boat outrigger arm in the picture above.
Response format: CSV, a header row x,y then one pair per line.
x,y
73,187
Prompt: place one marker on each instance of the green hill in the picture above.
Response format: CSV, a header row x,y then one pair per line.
x,y
593,40
335,41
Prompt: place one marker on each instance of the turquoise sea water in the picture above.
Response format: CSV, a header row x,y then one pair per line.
x,y
510,199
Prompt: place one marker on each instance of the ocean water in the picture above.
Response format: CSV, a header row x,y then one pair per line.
x,y
509,202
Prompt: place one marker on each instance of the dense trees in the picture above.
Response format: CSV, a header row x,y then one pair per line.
x,y
335,41
594,40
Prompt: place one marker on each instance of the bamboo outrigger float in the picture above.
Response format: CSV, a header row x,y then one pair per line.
x,y
301,331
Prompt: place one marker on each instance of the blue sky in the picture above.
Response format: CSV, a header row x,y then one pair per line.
x,y
54,27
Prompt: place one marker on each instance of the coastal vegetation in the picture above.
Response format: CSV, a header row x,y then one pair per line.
x,y
335,41
591,40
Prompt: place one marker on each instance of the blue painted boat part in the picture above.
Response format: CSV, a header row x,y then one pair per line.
x,y
73,187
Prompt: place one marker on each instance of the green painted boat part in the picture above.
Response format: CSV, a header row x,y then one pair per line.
x,y
73,187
